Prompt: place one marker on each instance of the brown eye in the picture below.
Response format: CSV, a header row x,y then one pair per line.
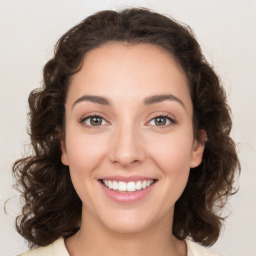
x,y
163,120
96,121
93,121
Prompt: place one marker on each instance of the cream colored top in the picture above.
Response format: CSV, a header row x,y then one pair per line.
x,y
58,248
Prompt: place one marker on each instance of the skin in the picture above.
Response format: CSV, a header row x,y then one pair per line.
x,y
129,141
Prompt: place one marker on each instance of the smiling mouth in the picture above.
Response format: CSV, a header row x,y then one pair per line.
x,y
130,186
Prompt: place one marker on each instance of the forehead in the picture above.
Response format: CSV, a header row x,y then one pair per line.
x,y
129,71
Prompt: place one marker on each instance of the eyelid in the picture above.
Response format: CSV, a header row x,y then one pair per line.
x,y
82,120
164,115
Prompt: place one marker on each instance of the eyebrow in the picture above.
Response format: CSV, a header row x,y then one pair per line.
x,y
162,97
147,101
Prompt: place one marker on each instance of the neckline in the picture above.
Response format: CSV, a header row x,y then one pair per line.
x,y
60,243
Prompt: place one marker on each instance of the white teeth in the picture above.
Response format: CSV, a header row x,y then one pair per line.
x,y
115,185
130,186
110,184
138,185
121,186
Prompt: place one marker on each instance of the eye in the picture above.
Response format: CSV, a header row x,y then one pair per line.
x,y
163,120
93,121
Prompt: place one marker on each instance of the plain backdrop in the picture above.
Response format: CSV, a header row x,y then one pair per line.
x,y
226,30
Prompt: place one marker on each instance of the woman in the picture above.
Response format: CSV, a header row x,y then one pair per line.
x,y
130,132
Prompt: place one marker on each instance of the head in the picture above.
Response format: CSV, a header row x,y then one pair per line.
x,y
209,176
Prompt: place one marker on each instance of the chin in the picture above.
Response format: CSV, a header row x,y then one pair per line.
x,y
127,228
126,223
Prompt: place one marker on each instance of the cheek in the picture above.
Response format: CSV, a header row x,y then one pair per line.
x,y
85,156
173,157
173,151
84,152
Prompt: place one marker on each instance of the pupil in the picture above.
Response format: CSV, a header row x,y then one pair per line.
x,y
161,120
96,120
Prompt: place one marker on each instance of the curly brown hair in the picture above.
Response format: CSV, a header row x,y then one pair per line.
x,y
52,207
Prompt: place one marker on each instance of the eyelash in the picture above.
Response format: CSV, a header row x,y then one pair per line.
x,y
83,119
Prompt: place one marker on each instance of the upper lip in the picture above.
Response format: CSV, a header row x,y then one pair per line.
x,y
126,178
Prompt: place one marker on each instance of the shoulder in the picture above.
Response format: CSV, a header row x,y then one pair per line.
x,y
57,248
194,249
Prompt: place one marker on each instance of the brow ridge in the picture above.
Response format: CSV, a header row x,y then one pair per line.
x,y
147,101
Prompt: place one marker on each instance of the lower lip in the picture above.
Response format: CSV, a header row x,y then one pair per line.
x,y
127,197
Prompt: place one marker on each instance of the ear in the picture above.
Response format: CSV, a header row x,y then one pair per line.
x,y
198,149
64,154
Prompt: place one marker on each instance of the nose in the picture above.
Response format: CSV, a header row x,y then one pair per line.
x,y
126,146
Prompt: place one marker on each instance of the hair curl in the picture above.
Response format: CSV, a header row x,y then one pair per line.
x,y
51,206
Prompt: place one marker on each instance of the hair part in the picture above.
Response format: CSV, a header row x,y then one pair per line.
x,y
52,207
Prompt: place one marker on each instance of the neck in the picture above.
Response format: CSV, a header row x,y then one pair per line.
x,y
94,238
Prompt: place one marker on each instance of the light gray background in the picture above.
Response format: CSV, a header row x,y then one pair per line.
x,y
226,30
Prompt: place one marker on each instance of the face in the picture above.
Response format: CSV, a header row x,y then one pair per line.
x,y
129,150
